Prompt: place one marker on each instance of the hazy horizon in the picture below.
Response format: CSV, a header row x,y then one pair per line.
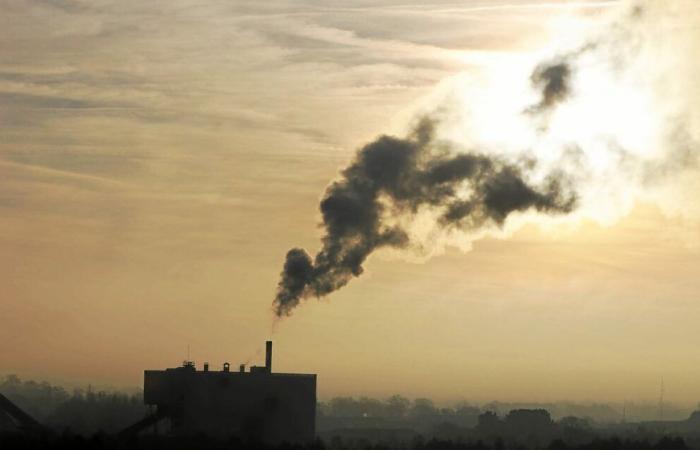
x,y
602,412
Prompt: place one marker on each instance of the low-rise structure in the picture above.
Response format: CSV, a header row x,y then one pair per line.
x,y
258,404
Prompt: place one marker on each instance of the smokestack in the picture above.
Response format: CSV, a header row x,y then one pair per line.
x,y
268,356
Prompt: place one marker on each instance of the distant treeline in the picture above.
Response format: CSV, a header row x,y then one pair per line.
x,y
88,411
402,407
83,411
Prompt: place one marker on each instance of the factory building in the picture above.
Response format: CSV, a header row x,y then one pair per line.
x,y
256,404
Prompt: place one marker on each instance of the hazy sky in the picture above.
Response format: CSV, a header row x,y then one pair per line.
x,y
158,159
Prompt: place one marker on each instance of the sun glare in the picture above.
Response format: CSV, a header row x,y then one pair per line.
x,y
610,123
605,115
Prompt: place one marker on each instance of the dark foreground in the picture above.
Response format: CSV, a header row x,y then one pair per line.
x,y
19,441
91,419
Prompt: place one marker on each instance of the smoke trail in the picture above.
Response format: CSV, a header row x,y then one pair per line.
x,y
553,80
613,116
391,177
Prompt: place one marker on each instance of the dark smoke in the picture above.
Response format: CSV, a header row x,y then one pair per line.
x,y
553,79
391,177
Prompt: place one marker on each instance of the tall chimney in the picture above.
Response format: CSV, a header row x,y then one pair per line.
x,y
268,356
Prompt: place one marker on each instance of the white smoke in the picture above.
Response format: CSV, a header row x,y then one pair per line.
x,y
627,132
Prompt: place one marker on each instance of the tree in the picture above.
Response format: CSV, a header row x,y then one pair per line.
x,y
397,406
423,407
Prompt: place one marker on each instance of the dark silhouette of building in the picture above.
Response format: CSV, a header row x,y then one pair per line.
x,y
258,404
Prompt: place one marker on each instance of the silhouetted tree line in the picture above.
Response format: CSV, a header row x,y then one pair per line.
x,y
397,420
89,419
395,407
83,411
401,407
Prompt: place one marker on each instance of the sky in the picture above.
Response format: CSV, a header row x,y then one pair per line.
x,y
158,159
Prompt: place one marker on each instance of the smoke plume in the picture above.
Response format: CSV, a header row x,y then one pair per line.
x,y
553,80
612,121
392,177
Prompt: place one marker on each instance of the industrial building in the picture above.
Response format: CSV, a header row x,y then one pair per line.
x,y
256,404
